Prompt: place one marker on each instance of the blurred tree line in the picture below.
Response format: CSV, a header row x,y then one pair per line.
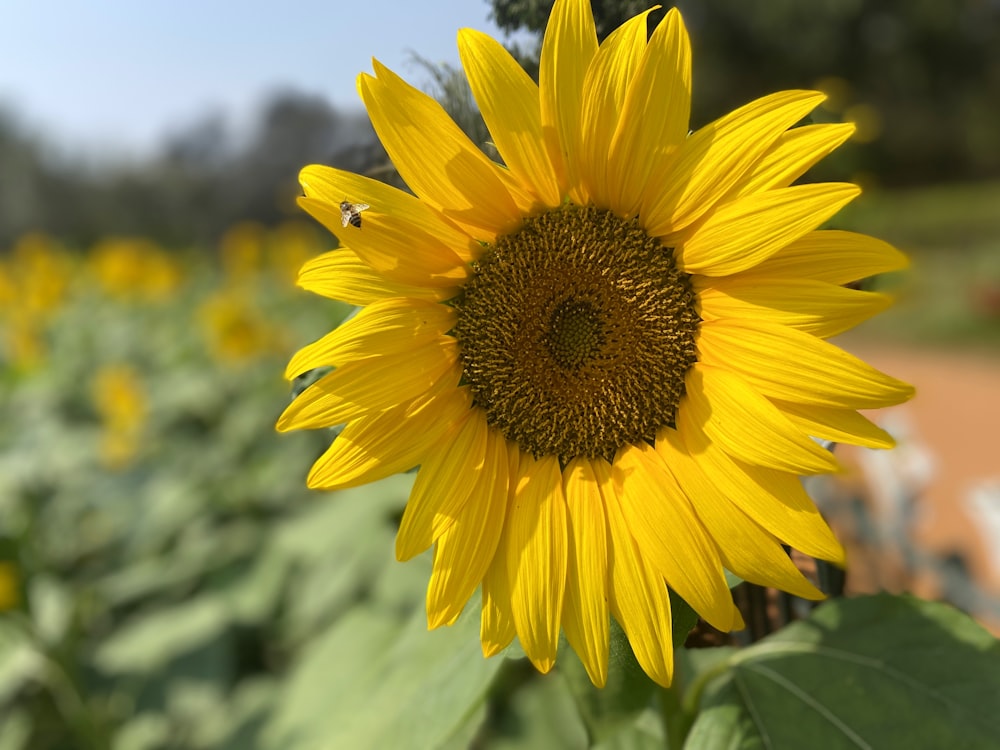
x,y
921,78
203,178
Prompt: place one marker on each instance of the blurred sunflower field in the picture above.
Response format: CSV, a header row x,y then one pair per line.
x,y
166,580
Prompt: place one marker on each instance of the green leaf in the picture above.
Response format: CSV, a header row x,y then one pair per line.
x,y
147,731
374,680
15,729
256,594
345,520
237,726
628,691
644,732
683,620
343,543
611,712
20,661
465,736
872,672
537,712
149,641
51,608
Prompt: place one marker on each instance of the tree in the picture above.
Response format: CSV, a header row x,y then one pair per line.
x,y
920,74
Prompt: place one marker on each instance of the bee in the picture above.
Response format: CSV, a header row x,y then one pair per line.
x,y
350,213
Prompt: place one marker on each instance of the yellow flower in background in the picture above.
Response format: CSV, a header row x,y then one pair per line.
x,y
40,271
607,356
163,276
120,399
10,597
24,343
134,268
290,245
34,285
242,251
8,288
235,330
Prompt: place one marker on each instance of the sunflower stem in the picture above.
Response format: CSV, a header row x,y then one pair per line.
x,y
676,721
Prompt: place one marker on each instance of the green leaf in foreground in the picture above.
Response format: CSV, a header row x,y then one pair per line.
x,y
377,679
872,672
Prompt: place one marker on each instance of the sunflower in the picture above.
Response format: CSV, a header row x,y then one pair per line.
x,y
606,355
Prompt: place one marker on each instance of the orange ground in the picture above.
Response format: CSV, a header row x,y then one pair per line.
x,y
932,518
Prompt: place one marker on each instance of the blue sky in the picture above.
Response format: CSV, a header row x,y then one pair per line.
x,y
117,74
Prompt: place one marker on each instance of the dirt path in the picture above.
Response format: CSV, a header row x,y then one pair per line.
x,y
938,494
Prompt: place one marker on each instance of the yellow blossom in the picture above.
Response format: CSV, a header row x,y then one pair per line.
x,y
120,399
607,355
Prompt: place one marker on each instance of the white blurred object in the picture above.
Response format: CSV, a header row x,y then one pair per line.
x,y
896,477
982,503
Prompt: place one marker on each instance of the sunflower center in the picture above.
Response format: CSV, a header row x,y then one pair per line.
x,y
576,333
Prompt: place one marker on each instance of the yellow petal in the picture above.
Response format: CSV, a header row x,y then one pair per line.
x,y
748,426
536,558
496,629
815,307
790,156
714,158
331,186
839,425
443,485
391,326
604,90
638,599
655,115
508,101
372,386
585,610
669,534
396,440
436,159
741,234
746,549
402,252
774,499
569,44
831,255
463,553
790,365
340,274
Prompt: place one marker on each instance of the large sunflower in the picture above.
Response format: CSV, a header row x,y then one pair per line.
x,y
607,354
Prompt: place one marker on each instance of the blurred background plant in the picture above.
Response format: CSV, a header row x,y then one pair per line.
x,y
166,581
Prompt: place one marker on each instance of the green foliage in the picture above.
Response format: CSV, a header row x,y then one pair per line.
x,y
950,297
607,711
377,678
162,592
185,591
513,15
878,671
